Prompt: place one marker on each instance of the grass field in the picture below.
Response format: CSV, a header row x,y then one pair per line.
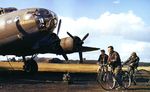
x,y
53,67
147,68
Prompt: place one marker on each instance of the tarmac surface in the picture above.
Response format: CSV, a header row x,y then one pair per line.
x,y
18,81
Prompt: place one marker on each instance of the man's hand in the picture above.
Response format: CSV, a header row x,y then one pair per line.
x,y
98,63
110,63
131,64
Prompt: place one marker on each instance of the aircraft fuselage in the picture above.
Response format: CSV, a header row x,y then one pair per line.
x,y
21,29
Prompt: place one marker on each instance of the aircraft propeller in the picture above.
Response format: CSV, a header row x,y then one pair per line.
x,y
78,44
70,35
59,25
85,37
63,53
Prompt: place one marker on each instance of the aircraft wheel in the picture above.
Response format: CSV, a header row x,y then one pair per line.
x,y
31,66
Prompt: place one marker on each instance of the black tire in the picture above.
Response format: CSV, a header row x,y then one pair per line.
x,y
126,79
106,80
31,66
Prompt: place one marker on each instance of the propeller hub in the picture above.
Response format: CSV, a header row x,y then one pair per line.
x,y
77,44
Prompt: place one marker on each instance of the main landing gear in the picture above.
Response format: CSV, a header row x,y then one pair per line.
x,y
30,65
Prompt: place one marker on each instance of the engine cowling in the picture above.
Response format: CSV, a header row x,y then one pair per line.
x,y
67,44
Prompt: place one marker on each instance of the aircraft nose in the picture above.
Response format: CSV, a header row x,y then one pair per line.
x,y
47,21
51,22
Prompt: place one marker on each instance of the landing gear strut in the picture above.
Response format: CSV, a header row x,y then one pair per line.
x,y
30,66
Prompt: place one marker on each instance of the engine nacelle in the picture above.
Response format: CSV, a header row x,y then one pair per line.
x,y
67,44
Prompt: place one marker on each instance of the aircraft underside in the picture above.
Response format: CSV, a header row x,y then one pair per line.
x,y
29,46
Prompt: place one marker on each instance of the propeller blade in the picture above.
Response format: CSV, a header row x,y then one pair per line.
x,y
65,57
59,27
70,35
81,57
85,37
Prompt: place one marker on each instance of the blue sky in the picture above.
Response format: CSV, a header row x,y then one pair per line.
x,y
122,23
89,8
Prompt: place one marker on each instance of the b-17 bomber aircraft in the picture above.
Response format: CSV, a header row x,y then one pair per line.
x,y
28,32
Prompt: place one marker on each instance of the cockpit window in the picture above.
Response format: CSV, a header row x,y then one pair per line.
x,y
43,12
10,10
39,12
7,10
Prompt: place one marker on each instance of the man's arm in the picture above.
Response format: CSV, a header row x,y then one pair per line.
x,y
106,59
99,58
115,57
136,60
127,61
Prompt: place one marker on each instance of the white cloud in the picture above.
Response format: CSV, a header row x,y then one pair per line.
x,y
116,2
122,24
141,48
127,32
131,47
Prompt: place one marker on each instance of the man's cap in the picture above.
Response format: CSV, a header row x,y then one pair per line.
x,y
102,50
133,54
